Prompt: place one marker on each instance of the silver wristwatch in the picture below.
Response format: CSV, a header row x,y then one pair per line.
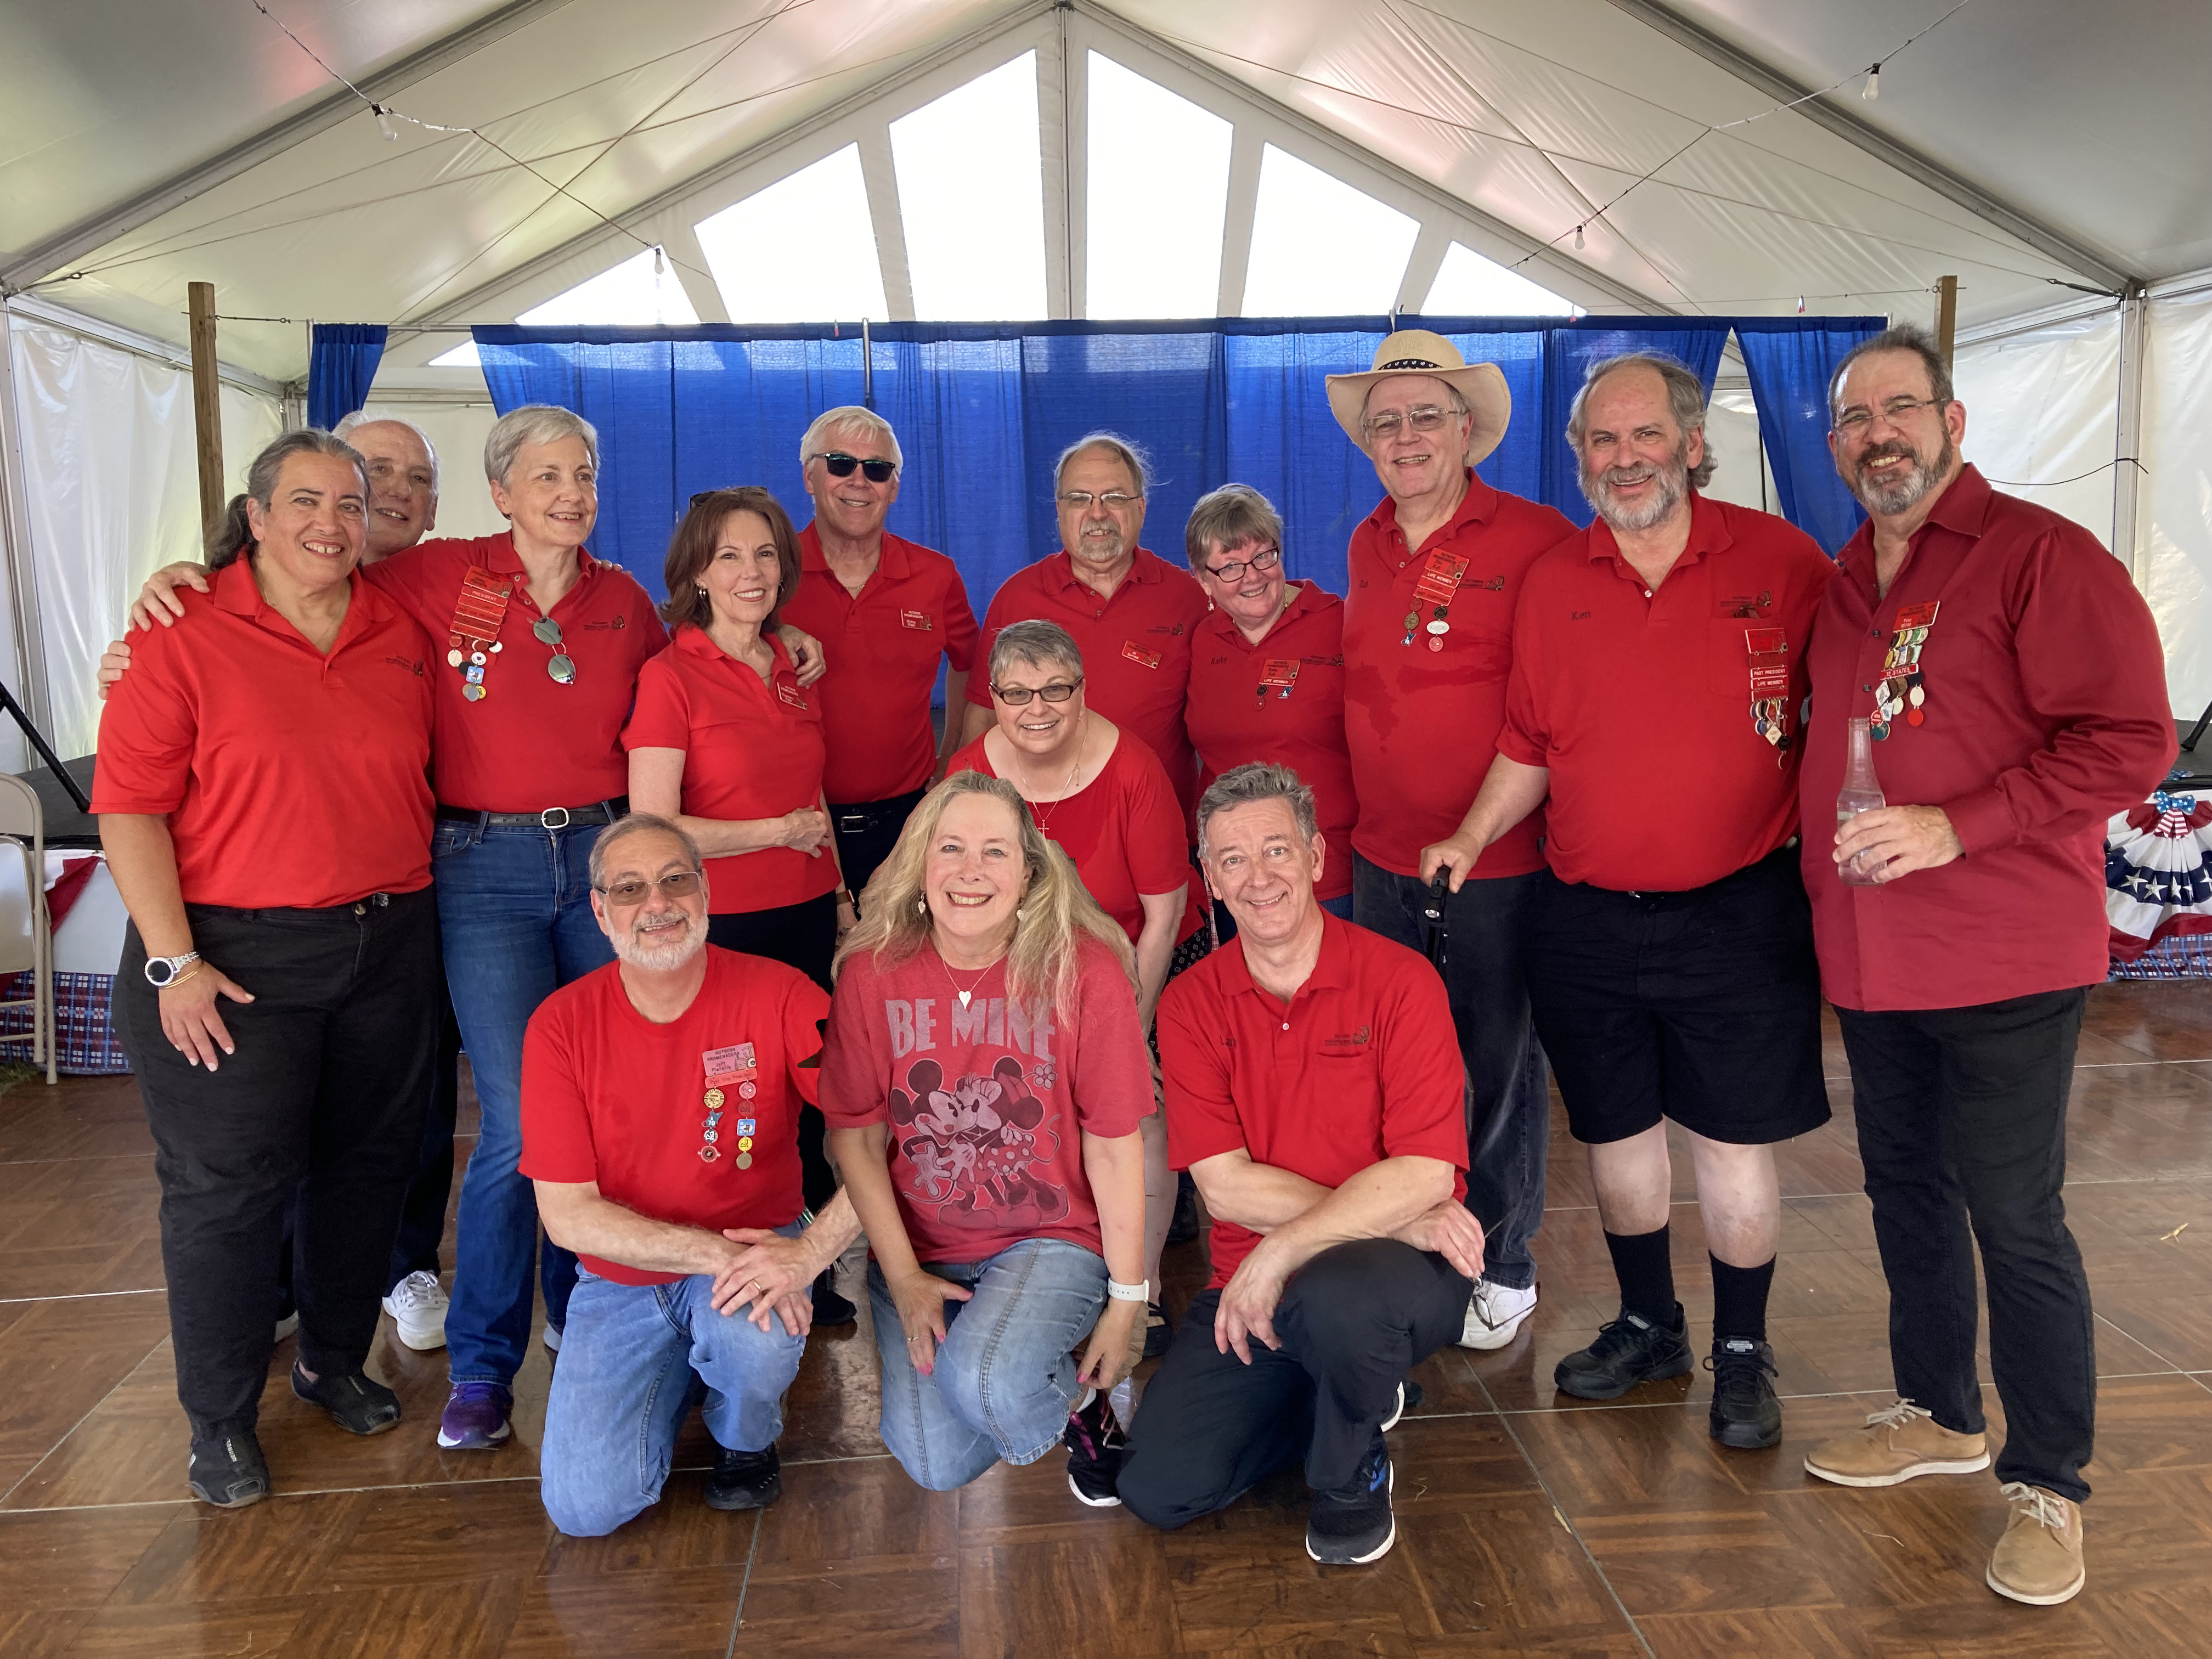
x,y
162,971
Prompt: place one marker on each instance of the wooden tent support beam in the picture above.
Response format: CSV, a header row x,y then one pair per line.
x,y
207,401
1946,315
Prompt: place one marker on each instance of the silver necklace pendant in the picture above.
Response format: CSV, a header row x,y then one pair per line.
x,y
964,995
547,630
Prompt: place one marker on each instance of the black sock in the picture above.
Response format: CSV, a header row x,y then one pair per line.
x,y
1740,1300
1646,1273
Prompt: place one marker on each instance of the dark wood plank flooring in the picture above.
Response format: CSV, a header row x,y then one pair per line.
x,y
1528,1524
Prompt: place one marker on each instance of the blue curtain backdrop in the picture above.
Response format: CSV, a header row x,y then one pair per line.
x,y
1791,360
341,363
981,408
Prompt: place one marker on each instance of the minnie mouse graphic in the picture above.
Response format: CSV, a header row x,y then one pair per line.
x,y
976,1147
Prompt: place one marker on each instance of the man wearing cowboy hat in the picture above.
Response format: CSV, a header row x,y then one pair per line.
x,y
1435,572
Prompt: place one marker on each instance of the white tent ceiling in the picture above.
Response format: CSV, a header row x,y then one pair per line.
x,y
147,144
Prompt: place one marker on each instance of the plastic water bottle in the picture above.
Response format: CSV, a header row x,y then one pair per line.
x,y
1862,792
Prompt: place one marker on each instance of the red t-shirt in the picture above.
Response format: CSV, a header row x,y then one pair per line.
x,y
1281,700
749,752
1122,830
1422,726
987,1104
529,742
1135,646
2043,711
1363,1064
611,1097
291,779
1714,658
884,647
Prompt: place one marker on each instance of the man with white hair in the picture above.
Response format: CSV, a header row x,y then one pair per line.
x,y
1670,948
660,1101
891,612
403,480
1435,572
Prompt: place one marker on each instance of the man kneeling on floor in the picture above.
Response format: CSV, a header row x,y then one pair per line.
x,y
1315,1092
660,1123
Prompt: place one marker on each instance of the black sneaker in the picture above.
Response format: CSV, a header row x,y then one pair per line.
x,y
1159,1335
1630,1351
1096,1445
1409,1396
227,1469
744,1480
358,1403
1183,1224
830,1308
1746,1413
1353,1525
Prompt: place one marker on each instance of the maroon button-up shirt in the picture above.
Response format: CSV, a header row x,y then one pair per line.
x,y
2045,711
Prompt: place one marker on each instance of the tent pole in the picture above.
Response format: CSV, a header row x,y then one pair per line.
x,y
2127,438
1946,315
207,401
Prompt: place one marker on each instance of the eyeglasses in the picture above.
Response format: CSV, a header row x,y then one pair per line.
x,y
562,667
1427,419
1852,421
676,884
1078,501
1016,696
1265,560
841,465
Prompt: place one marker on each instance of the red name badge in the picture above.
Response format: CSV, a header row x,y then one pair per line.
x,y
1284,671
1918,616
733,1063
918,620
789,693
1136,653
1769,649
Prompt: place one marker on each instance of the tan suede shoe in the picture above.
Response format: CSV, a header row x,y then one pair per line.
x,y
1898,1442
2038,1559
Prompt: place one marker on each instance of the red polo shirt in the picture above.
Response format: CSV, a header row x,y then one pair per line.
x,y
1362,1065
884,645
1666,770
291,779
988,1104
530,742
2045,711
609,1097
750,750
1135,646
1422,725
1123,831
1282,701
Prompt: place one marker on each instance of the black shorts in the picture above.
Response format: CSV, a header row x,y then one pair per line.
x,y
1702,1007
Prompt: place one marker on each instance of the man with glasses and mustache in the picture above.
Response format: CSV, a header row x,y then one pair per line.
x,y
1658,667
661,1101
2014,679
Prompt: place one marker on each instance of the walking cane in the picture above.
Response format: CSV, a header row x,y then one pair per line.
x,y
1439,934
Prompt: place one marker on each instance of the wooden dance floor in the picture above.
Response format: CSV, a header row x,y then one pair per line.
x,y
1527,1524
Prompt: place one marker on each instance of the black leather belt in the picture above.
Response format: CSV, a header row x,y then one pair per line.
x,y
553,817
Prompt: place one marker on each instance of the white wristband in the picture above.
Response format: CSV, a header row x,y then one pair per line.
x,y
1139,1291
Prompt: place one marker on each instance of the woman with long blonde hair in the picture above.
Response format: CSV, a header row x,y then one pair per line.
x,y
983,1079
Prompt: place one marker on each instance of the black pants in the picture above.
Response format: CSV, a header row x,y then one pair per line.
x,y
867,831
1353,1322
325,1096
1962,1123
802,936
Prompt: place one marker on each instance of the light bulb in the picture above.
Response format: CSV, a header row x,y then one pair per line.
x,y
1872,90
383,123
1801,305
1579,236
659,262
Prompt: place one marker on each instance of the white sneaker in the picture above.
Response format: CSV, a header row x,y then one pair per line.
x,y
417,1307
286,1325
1494,1314
552,1338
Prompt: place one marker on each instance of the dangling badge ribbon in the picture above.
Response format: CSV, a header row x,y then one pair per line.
x,y
1769,651
1434,591
474,635
1900,689
724,1066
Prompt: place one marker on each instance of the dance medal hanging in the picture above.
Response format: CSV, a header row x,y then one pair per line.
x,y
474,637
1900,689
1278,675
725,1068
1438,587
1769,651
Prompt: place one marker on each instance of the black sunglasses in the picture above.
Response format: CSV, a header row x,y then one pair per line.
x,y
841,465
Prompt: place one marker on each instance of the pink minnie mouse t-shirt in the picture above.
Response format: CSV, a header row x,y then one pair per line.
x,y
986,1100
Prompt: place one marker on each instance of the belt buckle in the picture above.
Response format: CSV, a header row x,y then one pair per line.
x,y
546,818
853,824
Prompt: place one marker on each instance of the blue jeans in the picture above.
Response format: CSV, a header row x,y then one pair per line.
x,y
515,910
1509,1111
1005,1378
633,1357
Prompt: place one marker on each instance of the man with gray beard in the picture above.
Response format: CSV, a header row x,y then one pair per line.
x,y
1653,712
660,1125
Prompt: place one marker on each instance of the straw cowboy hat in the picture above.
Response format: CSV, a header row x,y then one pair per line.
x,y
1417,351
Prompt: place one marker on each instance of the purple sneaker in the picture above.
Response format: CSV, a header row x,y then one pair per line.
x,y
476,1417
